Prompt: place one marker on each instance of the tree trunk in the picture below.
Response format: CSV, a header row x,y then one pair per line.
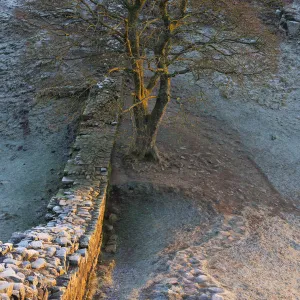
x,y
147,125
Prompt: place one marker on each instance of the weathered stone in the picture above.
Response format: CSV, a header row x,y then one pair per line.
x,y
67,181
56,296
38,264
83,252
51,251
50,281
63,241
215,290
24,244
4,297
30,253
26,265
29,292
75,259
17,237
12,261
7,272
6,287
44,237
62,253
201,278
21,275
33,280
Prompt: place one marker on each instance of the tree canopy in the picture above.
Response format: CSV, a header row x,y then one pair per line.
x,y
153,41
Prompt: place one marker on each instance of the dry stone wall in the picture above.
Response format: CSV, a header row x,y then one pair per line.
x,y
53,261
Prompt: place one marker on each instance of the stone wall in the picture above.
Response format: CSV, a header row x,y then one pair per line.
x,y
53,261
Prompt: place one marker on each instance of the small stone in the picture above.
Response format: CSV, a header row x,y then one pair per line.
x,y
50,282
197,271
216,297
29,292
21,275
4,297
6,287
26,265
39,263
10,246
57,209
44,237
33,280
75,259
61,253
194,260
204,297
66,180
7,272
20,250
171,280
23,244
28,254
63,241
201,278
82,252
20,289
51,251
215,290
12,261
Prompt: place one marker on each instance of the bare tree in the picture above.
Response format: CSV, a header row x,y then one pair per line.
x,y
157,40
